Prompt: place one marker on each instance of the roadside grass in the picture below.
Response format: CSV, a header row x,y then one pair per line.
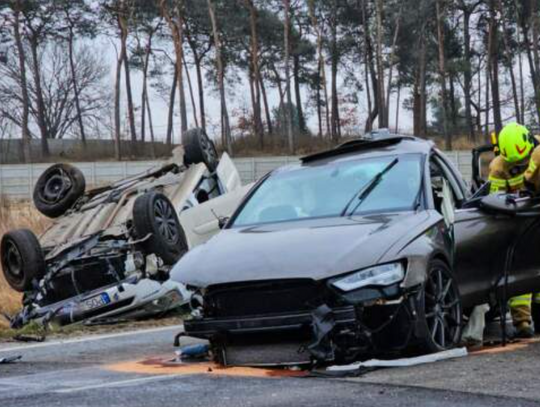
x,y
14,215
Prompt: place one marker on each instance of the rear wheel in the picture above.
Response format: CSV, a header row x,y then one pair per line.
x,y
439,310
200,149
154,215
22,259
57,189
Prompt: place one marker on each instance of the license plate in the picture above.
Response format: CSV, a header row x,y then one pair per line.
x,y
96,302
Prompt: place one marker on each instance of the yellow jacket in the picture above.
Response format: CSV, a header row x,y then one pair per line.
x,y
511,177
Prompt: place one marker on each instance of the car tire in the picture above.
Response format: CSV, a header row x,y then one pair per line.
x,y
57,189
439,310
154,215
22,259
199,148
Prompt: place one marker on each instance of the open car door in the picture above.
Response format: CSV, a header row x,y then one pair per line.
x,y
481,157
203,221
228,174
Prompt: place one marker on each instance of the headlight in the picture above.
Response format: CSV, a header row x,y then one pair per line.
x,y
383,275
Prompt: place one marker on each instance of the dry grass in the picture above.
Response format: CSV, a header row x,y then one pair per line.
x,y
12,216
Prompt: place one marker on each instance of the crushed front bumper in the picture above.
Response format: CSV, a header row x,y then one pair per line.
x,y
208,327
321,335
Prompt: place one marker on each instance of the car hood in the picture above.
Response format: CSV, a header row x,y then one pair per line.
x,y
314,249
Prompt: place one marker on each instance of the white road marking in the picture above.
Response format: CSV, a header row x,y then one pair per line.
x,y
90,338
120,383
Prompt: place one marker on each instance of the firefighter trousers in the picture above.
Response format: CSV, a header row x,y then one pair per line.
x,y
520,308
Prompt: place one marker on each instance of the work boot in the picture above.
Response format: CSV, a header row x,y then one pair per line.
x,y
524,330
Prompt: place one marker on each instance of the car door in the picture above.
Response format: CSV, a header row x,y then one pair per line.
x,y
227,174
201,222
480,241
524,275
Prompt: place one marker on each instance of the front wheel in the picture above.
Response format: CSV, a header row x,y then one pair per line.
x,y
154,216
439,310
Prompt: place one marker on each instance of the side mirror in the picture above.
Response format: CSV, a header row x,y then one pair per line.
x,y
222,221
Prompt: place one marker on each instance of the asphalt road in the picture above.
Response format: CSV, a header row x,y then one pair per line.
x,y
121,370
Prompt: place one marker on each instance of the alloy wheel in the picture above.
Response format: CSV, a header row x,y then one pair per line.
x,y
442,308
165,220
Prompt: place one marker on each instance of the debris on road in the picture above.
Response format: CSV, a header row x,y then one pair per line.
x,y
404,362
10,359
193,352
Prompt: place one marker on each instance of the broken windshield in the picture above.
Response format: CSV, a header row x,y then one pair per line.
x,y
324,190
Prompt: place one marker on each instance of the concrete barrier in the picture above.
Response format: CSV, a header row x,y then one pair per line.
x,y
17,180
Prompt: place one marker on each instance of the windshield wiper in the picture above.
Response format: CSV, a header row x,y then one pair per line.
x,y
368,188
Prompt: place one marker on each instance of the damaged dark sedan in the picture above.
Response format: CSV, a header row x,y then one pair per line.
x,y
375,247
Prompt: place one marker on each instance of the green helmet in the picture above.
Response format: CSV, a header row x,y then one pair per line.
x,y
515,143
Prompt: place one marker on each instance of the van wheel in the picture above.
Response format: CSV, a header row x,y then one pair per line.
x,y
57,189
154,215
22,259
200,149
439,310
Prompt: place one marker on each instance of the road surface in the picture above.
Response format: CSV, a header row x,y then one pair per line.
x,y
121,370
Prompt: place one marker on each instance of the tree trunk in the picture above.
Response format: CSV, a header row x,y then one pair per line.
x,y
176,30
419,91
536,55
368,62
467,72
75,84
266,107
144,97
416,106
383,114
488,82
200,87
493,55
334,58
26,150
319,108
392,53
287,10
297,94
509,56
254,51
191,95
117,93
442,73
253,101
321,62
521,77
151,126
398,106
225,128
453,106
170,115
122,24
39,96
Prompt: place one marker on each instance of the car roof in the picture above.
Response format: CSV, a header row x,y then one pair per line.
x,y
365,148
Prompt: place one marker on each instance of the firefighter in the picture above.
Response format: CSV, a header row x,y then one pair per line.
x,y
517,167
